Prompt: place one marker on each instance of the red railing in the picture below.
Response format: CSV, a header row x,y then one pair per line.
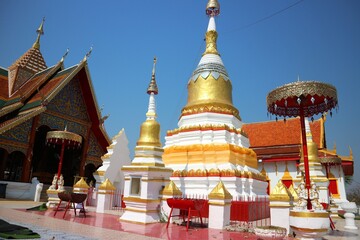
x,y
245,211
253,211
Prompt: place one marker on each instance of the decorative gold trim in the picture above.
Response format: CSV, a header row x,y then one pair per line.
x,y
280,206
309,229
309,214
211,107
155,164
10,108
219,204
21,118
206,127
140,200
155,180
146,168
140,210
149,148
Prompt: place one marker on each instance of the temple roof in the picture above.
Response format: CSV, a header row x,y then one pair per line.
x,y
41,85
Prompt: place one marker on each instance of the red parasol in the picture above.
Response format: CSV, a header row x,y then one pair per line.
x,y
303,99
65,139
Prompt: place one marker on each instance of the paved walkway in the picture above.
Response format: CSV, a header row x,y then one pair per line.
x,y
107,226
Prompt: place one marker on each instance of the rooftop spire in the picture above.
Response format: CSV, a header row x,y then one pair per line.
x,y
40,31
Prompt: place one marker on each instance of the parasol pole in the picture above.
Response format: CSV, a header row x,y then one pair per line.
x,y
60,163
305,155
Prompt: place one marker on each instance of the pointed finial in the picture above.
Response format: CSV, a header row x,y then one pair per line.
x,y
65,54
153,86
88,54
40,31
212,8
153,71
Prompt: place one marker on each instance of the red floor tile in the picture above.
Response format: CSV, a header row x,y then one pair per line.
x,y
158,230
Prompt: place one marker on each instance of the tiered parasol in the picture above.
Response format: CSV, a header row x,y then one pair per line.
x,y
65,139
302,99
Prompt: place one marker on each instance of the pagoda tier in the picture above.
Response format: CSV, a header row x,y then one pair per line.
x,y
209,144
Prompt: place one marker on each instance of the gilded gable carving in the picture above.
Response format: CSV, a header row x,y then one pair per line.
x,y
94,147
70,101
58,123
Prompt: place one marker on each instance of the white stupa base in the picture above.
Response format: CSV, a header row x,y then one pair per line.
x,y
138,217
141,212
309,224
200,187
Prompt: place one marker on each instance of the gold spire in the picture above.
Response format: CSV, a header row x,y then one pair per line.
x,y
40,31
209,88
212,10
150,129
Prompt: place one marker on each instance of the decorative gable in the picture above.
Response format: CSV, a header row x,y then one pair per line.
x,y
24,68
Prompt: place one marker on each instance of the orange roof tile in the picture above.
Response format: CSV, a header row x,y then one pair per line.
x,y
277,133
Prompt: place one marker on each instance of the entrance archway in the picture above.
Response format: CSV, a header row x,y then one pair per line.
x,y
13,166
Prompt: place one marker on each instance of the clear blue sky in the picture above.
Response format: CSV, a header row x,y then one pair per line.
x,y
315,39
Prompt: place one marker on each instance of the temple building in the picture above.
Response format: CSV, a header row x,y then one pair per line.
x,y
278,148
36,99
209,144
